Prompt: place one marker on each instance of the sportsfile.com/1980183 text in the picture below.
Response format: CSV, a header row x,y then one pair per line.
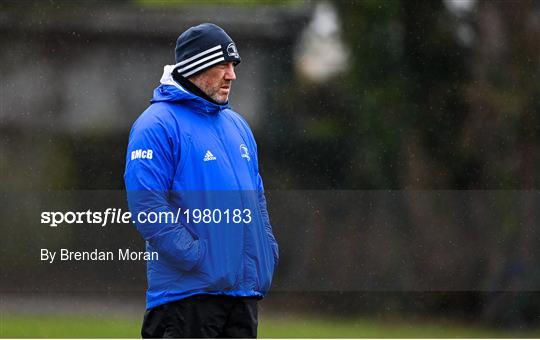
x,y
118,216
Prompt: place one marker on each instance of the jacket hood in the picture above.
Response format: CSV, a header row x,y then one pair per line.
x,y
170,91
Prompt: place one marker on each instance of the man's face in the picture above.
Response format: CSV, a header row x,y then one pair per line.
x,y
216,81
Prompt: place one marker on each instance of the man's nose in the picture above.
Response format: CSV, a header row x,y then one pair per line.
x,y
229,72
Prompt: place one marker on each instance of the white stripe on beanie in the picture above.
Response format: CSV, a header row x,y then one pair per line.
x,y
195,63
199,58
198,55
203,66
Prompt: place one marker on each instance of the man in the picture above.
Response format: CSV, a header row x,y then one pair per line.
x,y
192,158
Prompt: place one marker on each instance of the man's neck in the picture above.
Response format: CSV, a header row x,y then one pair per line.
x,y
188,85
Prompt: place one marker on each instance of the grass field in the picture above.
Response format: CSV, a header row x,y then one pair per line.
x,y
64,326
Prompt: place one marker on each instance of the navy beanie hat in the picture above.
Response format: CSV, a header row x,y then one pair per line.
x,y
201,47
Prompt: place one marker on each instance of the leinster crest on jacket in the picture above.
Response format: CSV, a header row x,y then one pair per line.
x,y
244,152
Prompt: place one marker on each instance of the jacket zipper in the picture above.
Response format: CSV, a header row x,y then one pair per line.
x,y
241,198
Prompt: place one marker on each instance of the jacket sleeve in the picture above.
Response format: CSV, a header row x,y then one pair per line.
x,y
264,212
148,178
266,220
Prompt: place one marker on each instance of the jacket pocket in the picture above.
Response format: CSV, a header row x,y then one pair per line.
x,y
203,250
216,272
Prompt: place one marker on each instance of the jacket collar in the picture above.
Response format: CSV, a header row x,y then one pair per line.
x,y
172,91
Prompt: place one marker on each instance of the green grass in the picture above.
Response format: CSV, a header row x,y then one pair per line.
x,y
19,326
64,326
366,328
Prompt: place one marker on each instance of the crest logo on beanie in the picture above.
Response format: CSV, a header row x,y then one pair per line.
x,y
232,51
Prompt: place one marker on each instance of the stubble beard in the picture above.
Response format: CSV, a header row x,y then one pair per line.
x,y
212,91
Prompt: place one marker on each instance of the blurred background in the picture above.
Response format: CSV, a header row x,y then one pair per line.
x,y
399,142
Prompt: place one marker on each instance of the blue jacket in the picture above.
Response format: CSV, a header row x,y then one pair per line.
x,y
186,152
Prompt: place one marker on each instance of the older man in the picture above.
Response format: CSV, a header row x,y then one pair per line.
x,y
217,252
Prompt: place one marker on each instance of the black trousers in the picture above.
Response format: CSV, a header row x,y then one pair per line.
x,y
203,316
